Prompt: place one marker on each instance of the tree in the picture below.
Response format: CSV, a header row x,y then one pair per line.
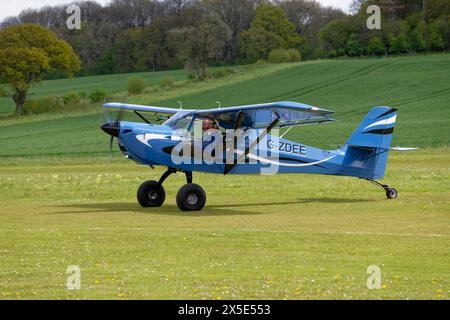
x,y
202,44
376,47
128,50
399,44
237,14
434,39
269,30
353,48
26,52
435,8
334,36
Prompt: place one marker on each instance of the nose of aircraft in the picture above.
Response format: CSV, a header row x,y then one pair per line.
x,y
112,128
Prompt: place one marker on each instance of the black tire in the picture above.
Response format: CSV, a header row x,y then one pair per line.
x,y
191,197
391,193
151,194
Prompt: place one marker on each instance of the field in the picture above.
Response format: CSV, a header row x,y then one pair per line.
x,y
109,83
64,202
419,86
309,237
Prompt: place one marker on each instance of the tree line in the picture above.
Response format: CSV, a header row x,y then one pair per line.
x,y
150,35
408,26
147,35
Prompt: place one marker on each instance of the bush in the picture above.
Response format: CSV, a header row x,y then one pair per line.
x,y
167,83
3,92
135,85
376,47
97,96
223,73
320,53
284,55
332,54
44,104
189,76
295,55
353,48
399,44
82,94
72,98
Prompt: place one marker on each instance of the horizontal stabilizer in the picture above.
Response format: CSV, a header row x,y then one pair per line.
x,y
404,149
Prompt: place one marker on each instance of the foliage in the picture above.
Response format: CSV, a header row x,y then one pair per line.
x,y
270,30
201,44
435,38
353,48
135,85
43,105
414,29
167,83
376,47
221,73
26,52
72,98
335,34
3,92
399,44
284,55
97,96
140,35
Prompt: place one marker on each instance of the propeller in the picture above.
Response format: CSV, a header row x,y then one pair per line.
x,y
111,127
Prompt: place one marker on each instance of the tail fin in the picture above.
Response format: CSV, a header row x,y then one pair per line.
x,y
368,146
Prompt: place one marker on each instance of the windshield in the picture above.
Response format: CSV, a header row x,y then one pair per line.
x,y
182,120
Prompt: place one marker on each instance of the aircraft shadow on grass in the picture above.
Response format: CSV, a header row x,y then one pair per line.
x,y
210,210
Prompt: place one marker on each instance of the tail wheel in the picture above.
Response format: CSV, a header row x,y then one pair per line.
x,y
191,197
391,193
151,194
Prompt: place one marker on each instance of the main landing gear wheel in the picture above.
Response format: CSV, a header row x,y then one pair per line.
x,y
151,194
191,197
391,193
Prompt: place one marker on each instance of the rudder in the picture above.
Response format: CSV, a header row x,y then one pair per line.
x,y
368,147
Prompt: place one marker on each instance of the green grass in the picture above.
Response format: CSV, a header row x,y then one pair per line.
x,y
109,83
309,237
288,236
418,85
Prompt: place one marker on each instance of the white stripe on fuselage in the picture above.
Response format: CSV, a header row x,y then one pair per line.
x,y
145,138
383,122
283,164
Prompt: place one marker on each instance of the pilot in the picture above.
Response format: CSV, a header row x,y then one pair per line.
x,y
209,124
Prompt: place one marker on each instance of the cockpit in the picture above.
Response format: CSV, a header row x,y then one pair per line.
x,y
189,121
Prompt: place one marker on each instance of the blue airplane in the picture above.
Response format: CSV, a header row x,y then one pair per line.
x,y
364,155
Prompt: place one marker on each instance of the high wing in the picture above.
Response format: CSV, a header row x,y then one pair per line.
x,y
264,115
138,108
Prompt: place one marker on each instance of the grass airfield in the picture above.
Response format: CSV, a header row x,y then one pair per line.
x,y
64,202
271,237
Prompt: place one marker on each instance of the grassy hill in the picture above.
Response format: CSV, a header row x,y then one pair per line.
x,y
109,83
418,85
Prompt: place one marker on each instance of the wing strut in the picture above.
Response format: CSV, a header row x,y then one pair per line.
x,y
229,167
239,120
141,116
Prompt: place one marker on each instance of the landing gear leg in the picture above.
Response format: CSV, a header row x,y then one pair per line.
x,y
391,193
191,197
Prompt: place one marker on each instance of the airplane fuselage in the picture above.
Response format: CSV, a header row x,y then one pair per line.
x,y
153,145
